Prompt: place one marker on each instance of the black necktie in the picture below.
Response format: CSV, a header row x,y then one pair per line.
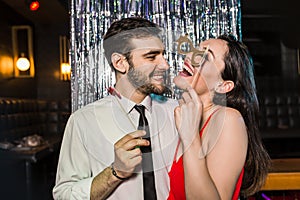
x,y
147,164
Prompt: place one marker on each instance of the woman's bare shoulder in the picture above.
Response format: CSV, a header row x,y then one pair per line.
x,y
229,120
227,113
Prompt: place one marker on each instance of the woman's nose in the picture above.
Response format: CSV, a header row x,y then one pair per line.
x,y
188,57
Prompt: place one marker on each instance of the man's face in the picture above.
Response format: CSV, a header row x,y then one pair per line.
x,y
147,65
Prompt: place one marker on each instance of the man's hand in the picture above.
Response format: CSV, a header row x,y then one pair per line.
x,y
127,153
127,157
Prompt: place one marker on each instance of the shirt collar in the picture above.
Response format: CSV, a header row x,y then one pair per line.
x,y
147,102
128,105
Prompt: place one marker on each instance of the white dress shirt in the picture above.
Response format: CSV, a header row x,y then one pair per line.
x,y
88,146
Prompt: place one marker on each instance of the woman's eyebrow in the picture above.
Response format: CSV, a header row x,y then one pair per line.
x,y
212,53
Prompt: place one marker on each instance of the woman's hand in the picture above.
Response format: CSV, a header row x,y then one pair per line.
x,y
188,116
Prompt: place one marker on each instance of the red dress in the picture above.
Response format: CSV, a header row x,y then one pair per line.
x,y
177,189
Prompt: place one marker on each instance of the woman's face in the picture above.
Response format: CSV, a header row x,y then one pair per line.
x,y
209,73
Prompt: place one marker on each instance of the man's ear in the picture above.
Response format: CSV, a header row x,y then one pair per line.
x,y
119,62
224,87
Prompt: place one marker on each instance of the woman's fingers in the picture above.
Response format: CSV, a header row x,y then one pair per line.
x,y
193,94
177,115
186,97
188,115
181,102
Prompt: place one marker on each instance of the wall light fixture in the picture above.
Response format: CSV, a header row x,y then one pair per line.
x,y
22,51
65,67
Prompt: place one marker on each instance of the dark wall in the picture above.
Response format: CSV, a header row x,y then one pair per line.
x,y
46,84
47,58
9,86
288,21
271,31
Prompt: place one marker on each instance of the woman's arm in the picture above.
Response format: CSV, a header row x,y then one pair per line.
x,y
212,173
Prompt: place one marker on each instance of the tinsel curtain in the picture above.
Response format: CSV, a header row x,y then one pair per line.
x,y
91,73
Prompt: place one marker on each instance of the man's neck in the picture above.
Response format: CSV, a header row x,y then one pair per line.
x,y
128,91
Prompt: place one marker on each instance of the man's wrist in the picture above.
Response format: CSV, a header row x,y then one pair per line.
x,y
113,171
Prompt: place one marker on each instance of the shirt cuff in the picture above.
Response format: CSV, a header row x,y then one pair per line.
x,y
82,189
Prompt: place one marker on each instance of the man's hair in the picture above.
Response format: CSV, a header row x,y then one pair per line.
x,y
119,35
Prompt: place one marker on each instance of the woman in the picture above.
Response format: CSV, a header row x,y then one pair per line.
x,y
220,148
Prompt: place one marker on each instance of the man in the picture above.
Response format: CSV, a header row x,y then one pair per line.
x,y
101,156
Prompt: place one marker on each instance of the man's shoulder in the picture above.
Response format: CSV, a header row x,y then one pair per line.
x,y
98,104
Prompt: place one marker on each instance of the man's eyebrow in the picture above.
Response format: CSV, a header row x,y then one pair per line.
x,y
153,52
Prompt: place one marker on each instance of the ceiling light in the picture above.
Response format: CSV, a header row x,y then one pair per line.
x,y
34,5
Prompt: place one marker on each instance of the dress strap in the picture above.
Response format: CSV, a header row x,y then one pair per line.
x,y
201,131
206,122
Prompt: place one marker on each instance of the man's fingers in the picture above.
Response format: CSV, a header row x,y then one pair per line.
x,y
127,155
137,142
136,160
130,136
137,133
131,163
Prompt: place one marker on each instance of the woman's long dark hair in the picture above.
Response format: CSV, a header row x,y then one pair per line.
x,y
239,69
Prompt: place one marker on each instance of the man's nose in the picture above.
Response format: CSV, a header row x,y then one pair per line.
x,y
163,63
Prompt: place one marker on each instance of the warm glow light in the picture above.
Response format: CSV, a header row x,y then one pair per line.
x,y
6,65
65,71
23,60
34,5
23,64
65,67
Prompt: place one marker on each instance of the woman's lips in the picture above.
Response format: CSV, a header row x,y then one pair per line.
x,y
189,68
184,74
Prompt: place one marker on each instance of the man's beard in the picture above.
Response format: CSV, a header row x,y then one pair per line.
x,y
142,83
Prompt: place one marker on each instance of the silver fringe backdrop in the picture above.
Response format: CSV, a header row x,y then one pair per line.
x,y
91,74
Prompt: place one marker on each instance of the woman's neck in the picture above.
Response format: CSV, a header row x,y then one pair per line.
x,y
207,103
208,107
207,110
